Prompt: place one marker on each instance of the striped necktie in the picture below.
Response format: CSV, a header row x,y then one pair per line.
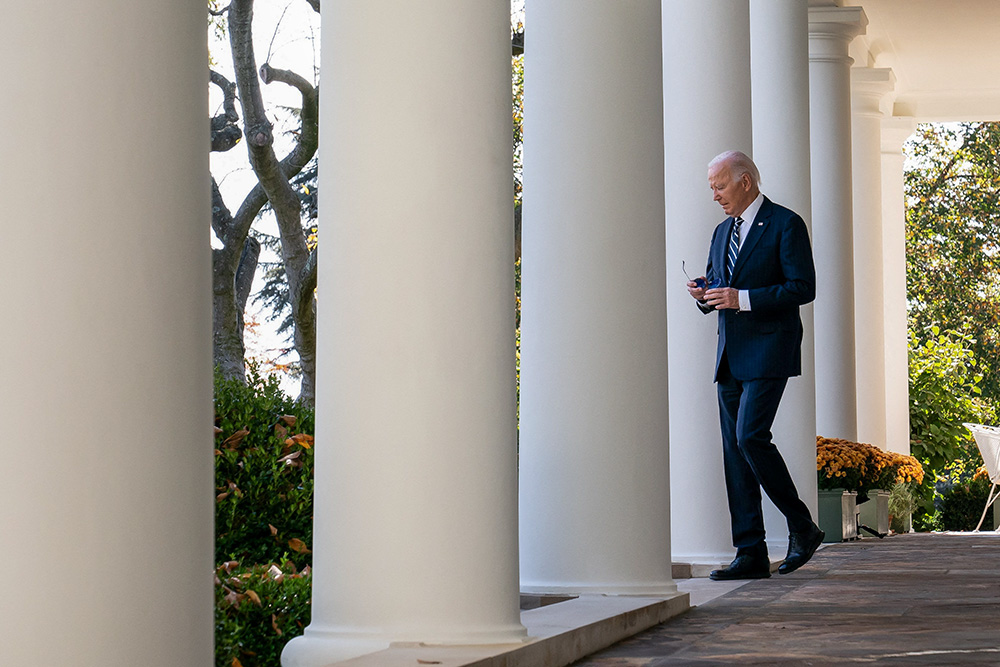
x,y
734,247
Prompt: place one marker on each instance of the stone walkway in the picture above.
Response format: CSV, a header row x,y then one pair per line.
x,y
917,599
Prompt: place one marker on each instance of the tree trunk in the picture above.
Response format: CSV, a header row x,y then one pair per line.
x,y
273,179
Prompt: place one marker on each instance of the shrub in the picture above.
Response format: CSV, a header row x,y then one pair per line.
x,y
263,473
945,391
945,380
258,609
961,503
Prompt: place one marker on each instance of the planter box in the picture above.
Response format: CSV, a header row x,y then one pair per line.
x,y
901,524
838,515
875,512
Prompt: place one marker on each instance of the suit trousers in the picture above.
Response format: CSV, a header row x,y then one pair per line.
x,y
752,462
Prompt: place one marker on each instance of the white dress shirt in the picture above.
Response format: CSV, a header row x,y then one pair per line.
x,y
748,216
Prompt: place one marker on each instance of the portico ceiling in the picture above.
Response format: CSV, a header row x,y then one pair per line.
x,y
944,53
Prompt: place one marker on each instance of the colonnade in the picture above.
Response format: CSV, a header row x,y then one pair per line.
x,y
421,531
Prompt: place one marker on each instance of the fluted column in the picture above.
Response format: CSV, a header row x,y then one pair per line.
x,y
895,131
869,97
831,30
416,501
706,56
779,58
106,390
594,473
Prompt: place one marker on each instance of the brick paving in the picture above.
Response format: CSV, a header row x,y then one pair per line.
x,y
916,599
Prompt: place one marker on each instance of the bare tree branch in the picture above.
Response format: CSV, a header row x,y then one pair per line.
x,y
227,335
270,74
225,132
222,219
224,135
297,158
309,276
308,140
218,12
229,95
245,273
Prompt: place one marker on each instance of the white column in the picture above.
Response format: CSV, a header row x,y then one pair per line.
x,y
831,30
416,498
594,508
870,95
106,390
706,56
897,381
779,59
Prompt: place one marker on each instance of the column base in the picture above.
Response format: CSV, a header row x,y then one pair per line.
x,y
561,634
317,648
702,569
307,651
696,565
697,569
640,590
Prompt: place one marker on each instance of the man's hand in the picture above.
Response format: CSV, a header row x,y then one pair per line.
x,y
695,291
721,297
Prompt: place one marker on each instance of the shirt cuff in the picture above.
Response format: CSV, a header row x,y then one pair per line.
x,y
744,299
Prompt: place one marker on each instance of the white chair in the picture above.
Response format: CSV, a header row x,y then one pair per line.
x,y
988,441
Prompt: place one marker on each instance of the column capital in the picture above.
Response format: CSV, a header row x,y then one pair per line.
x,y
831,30
871,91
895,131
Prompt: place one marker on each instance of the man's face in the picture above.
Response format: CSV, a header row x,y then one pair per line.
x,y
733,196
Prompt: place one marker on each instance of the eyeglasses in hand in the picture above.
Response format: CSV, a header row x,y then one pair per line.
x,y
700,282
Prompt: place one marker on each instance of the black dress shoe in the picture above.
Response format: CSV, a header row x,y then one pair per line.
x,y
743,567
801,547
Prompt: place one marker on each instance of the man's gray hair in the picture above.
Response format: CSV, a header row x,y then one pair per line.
x,y
739,163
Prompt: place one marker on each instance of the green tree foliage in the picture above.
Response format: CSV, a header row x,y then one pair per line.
x,y
263,519
263,473
953,237
953,284
945,379
258,609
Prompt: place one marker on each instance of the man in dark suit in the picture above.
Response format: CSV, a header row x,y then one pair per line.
x,y
760,270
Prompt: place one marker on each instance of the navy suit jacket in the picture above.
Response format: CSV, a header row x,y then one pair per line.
x,y
776,265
